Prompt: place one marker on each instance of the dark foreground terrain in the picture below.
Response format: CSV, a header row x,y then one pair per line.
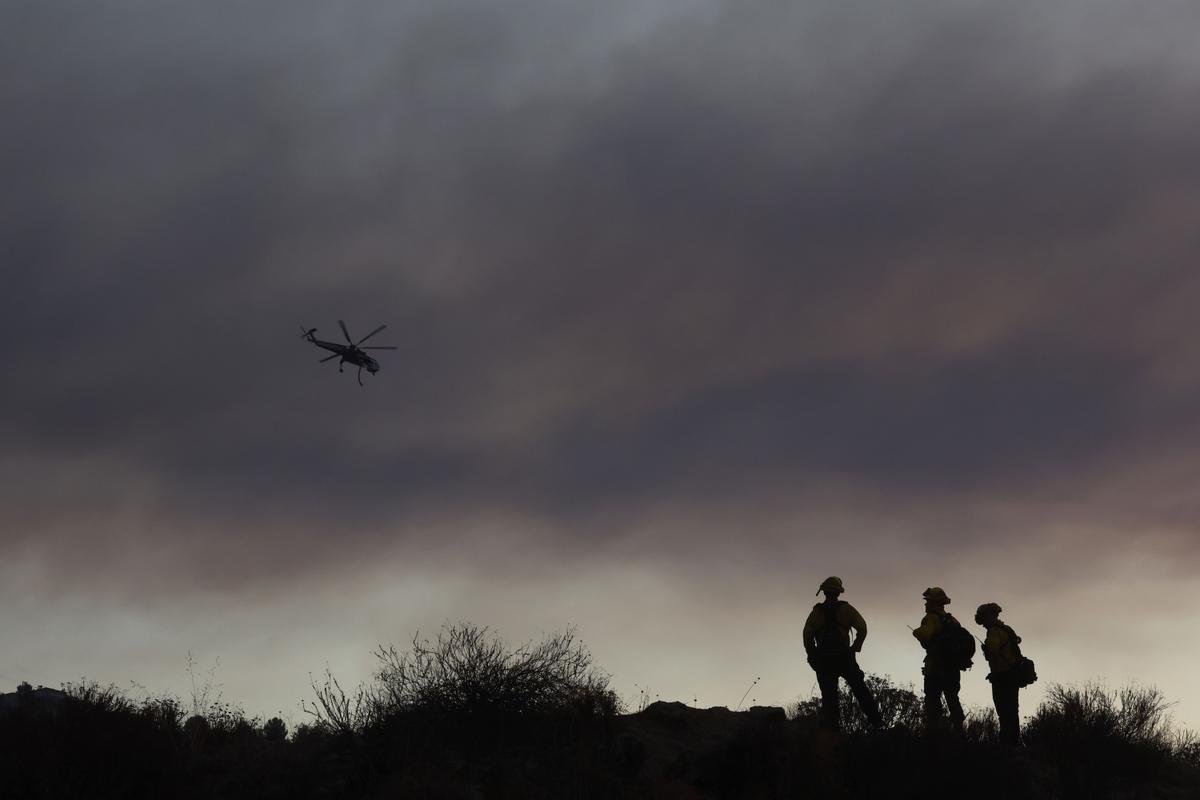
x,y
95,747
464,717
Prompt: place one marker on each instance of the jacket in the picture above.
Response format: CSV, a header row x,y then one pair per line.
x,y
1000,648
927,634
846,618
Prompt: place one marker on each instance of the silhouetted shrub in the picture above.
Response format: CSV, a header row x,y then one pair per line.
x,y
899,706
100,698
471,710
981,726
275,730
87,740
164,713
1096,735
1133,716
196,732
337,711
1187,748
469,669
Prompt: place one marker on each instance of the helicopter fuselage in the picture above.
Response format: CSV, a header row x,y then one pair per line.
x,y
351,355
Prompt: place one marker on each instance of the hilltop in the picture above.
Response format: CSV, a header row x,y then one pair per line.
x,y
464,717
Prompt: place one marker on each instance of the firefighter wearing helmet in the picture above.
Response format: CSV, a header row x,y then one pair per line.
x,y
833,656
946,657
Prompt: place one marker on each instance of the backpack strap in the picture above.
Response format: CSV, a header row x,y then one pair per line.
x,y
829,610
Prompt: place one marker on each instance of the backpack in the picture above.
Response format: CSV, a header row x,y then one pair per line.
x,y
1024,672
955,644
832,640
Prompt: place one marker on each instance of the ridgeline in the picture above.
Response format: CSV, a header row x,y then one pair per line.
x,y
465,717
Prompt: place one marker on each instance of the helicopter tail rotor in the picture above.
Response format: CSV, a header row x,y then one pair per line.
x,y
307,333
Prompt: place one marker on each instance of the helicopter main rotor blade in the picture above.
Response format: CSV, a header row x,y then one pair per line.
x,y
328,358
380,347
346,333
369,335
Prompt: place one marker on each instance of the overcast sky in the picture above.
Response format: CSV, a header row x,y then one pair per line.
x,y
696,303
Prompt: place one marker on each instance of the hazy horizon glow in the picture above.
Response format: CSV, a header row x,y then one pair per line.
x,y
696,304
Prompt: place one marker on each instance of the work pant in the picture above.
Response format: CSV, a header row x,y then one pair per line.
x,y
1005,695
845,667
939,683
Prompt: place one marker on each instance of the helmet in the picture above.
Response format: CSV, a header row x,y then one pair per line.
x,y
934,594
987,610
831,584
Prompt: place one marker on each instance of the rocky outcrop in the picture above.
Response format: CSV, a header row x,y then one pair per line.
x,y
671,744
28,697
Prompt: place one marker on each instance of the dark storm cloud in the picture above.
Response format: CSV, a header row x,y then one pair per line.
x,y
1011,415
684,253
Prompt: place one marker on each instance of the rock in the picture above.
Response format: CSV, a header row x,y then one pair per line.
x,y
40,697
767,713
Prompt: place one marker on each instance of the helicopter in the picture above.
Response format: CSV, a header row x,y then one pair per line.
x,y
351,351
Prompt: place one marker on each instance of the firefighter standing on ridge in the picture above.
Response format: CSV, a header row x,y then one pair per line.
x,y
832,655
943,676
1003,653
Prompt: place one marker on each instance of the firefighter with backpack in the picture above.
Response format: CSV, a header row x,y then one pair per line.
x,y
1010,670
831,654
949,649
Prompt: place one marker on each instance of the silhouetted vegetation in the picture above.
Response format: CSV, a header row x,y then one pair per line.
x,y
468,670
898,706
1103,740
464,715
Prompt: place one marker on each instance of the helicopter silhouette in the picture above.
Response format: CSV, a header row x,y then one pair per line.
x,y
352,351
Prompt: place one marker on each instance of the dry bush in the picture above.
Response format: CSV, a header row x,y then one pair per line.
x,y
337,711
1186,747
1135,716
99,697
899,706
274,730
469,669
1097,736
981,725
